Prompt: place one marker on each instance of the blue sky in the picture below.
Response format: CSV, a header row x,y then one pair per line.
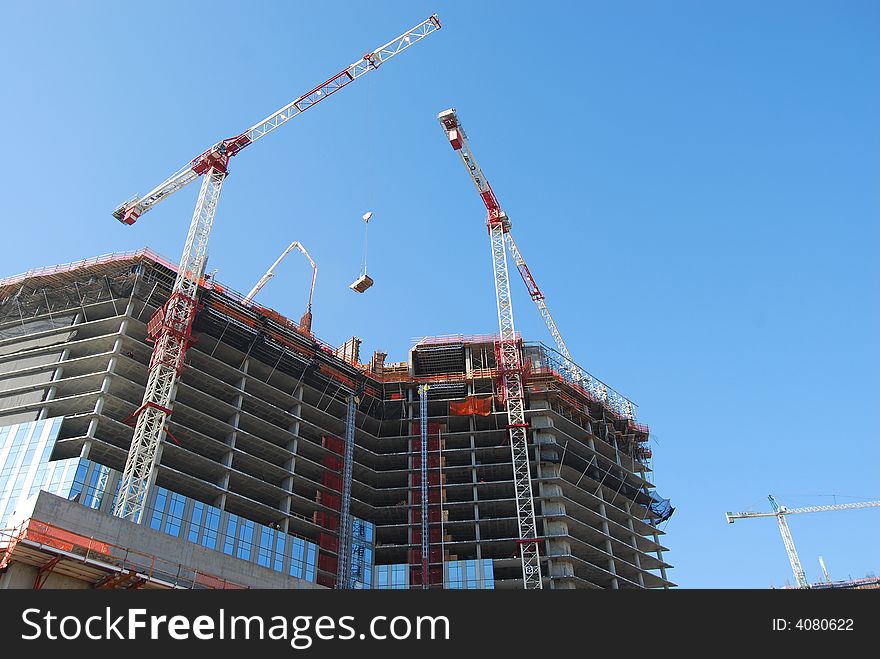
x,y
694,185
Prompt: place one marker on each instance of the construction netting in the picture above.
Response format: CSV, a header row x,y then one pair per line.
x,y
481,406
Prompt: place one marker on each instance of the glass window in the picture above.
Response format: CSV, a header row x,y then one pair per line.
x,y
310,562
279,551
264,557
174,519
471,574
158,509
79,480
488,574
97,482
229,536
245,539
212,527
297,557
195,524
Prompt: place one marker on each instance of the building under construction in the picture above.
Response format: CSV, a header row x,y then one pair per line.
x,y
250,487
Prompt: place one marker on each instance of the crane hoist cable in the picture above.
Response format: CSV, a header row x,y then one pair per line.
x,y
364,281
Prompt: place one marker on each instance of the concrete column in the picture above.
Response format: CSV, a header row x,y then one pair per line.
x,y
557,548
636,560
58,373
660,557
290,465
608,548
234,420
475,492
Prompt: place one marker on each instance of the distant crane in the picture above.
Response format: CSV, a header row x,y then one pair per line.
x,y
306,320
780,512
824,570
171,326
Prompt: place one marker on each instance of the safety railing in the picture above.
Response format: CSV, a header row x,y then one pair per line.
x,y
109,556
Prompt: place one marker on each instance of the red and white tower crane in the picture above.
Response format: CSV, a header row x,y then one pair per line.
x,y
597,388
171,327
509,360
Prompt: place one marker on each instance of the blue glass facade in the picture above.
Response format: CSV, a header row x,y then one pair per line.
x,y
208,526
25,468
469,575
362,537
391,577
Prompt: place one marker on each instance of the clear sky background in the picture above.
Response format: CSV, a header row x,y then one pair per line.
x,y
696,187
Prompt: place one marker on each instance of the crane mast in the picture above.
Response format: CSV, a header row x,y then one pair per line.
x,y
796,568
171,326
780,513
509,361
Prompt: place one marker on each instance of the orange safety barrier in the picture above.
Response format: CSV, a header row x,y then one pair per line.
x,y
121,558
479,405
61,539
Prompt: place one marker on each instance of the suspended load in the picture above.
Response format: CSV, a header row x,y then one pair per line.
x,y
364,281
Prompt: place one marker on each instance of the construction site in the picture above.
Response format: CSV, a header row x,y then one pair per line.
x,y
159,429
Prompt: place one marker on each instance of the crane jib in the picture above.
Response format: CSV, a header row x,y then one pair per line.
x,y
217,157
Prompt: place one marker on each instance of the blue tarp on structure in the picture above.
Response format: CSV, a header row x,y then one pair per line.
x,y
661,507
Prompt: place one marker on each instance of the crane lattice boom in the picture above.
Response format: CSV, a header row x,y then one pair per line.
x,y
171,326
458,140
808,509
217,157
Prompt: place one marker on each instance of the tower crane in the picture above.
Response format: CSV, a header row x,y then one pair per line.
x,y
780,513
509,361
306,320
587,381
171,326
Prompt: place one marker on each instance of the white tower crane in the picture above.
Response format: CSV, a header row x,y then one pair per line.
x,y
780,513
509,362
171,326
